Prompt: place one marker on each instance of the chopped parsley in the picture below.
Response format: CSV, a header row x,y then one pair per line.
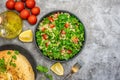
x,y
14,57
42,69
16,52
12,64
49,76
8,52
2,65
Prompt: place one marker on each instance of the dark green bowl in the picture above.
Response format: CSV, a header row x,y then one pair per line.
x,y
35,39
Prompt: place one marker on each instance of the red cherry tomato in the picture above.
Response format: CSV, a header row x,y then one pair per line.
x,y
32,19
19,6
10,4
23,0
30,3
24,14
35,10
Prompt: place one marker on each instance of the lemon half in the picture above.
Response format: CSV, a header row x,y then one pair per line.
x,y
26,36
57,68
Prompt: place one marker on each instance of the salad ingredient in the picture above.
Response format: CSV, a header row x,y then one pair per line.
x,y
19,6
57,68
23,0
26,36
10,4
43,69
25,8
49,76
35,10
24,14
45,36
50,19
67,25
60,36
32,19
69,51
52,25
30,3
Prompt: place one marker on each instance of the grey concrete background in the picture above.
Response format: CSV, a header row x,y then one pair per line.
x,y
101,54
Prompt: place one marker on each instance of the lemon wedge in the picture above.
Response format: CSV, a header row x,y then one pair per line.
x,y
57,68
26,36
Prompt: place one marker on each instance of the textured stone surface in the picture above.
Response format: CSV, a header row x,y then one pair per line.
x,y
101,53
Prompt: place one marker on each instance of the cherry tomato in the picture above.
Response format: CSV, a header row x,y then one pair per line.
x,y
35,10
19,6
10,4
24,14
30,3
32,19
23,0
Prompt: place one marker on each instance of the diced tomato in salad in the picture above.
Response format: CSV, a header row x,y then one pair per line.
x,y
67,25
56,15
63,32
69,51
75,40
51,19
62,51
45,36
46,44
52,25
43,29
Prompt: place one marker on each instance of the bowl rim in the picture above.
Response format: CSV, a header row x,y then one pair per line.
x,y
52,12
28,56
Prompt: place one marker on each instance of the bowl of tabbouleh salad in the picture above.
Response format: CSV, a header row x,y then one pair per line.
x,y
60,35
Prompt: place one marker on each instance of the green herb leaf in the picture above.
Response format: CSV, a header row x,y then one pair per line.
x,y
12,64
49,76
14,57
2,65
8,52
42,69
16,52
